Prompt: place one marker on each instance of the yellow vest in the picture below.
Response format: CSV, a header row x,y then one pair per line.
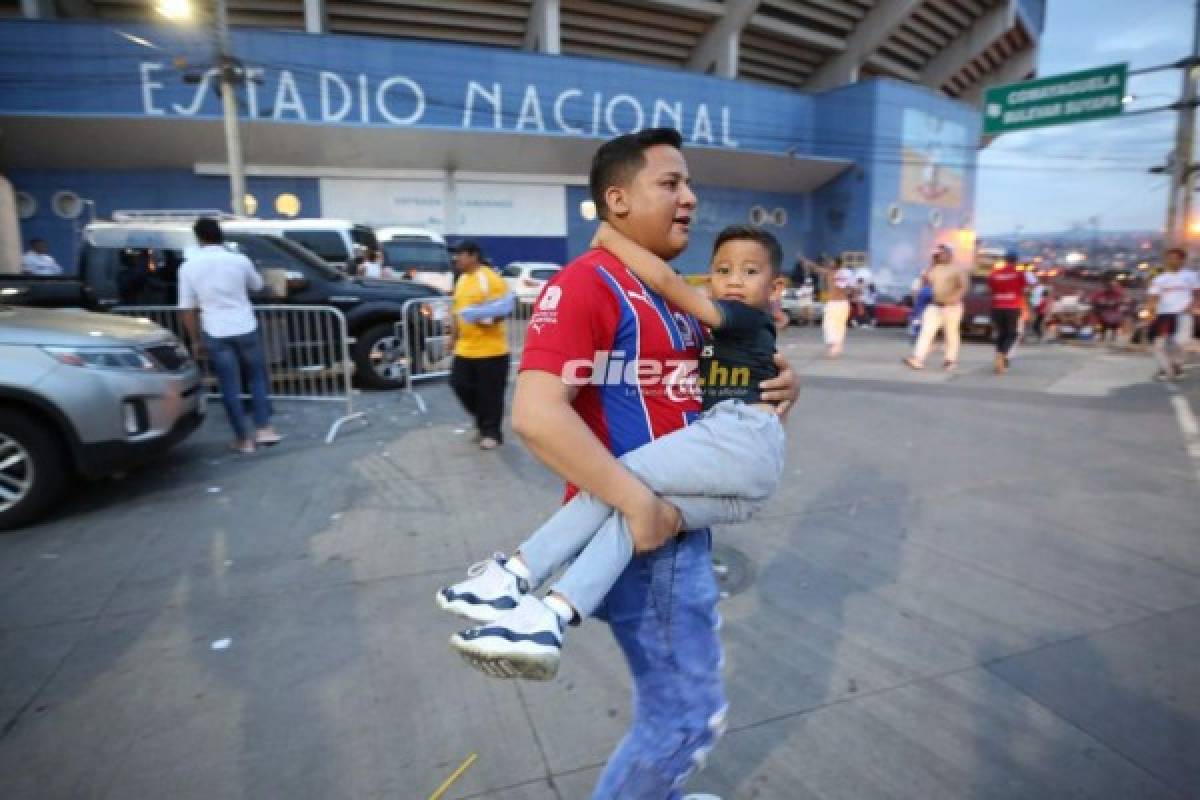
x,y
476,339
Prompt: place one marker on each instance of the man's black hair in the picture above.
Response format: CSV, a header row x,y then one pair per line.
x,y
753,233
619,160
36,240
468,246
208,231
1179,251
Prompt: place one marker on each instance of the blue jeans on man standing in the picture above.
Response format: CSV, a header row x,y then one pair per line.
x,y
663,613
229,355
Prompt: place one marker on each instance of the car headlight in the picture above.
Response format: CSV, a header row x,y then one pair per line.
x,y
127,358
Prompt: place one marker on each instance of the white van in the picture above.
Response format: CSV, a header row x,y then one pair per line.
x,y
417,254
336,241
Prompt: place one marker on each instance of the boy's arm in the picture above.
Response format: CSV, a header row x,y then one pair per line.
x,y
658,275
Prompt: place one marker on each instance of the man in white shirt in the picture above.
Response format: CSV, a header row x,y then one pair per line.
x,y
1172,297
38,261
217,281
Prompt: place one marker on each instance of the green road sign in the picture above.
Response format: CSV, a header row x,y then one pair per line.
x,y
1074,97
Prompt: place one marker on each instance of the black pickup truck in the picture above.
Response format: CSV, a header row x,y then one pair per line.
x,y
122,265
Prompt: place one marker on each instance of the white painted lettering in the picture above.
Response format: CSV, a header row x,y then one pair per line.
x,y
702,127
726,127
638,115
559,119
418,97
663,109
328,81
254,76
287,97
492,97
596,114
148,87
364,107
198,98
531,110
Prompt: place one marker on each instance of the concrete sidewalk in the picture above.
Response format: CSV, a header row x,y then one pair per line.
x,y
969,587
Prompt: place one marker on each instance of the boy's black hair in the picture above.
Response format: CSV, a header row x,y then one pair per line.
x,y
1179,251
754,233
619,159
208,231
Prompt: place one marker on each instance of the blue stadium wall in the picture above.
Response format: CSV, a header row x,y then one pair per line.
x,y
91,70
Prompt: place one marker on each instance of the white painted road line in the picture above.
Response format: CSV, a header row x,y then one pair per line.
x,y
1190,429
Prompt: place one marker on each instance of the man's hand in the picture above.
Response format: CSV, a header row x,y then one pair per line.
x,y
653,525
782,390
199,351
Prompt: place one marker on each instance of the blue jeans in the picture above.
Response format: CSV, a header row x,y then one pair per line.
x,y
229,355
663,613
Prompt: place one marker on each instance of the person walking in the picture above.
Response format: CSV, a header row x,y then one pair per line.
x,y
479,374
216,282
38,261
1008,292
836,314
948,285
662,609
1173,296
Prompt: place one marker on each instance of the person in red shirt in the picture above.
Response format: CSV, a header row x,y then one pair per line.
x,y
1008,294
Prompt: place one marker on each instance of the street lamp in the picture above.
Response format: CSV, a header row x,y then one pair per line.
x,y
230,75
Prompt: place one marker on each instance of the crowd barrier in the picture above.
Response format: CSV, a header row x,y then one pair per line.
x,y
421,327
307,352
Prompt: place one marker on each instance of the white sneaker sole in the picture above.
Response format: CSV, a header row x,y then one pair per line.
x,y
467,611
531,666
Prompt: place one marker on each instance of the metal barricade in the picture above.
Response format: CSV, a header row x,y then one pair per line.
x,y
307,350
424,327
424,331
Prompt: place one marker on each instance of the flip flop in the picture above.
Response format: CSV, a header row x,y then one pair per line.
x,y
912,363
244,449
268,439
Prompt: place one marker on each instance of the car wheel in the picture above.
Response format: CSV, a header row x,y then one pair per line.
x,y
32,468
381,358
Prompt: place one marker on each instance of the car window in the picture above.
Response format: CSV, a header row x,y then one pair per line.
x,y
544,274
303,254
510,272
364,236
329,245
134,276
415,253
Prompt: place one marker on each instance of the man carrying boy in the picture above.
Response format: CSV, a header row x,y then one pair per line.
x,y
662,610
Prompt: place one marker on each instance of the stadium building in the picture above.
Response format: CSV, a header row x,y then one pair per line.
x,y
842,125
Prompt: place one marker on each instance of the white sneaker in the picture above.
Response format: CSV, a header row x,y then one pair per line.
x,y
523,643
489,591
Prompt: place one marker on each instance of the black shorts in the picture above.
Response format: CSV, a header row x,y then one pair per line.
x,y
1164,325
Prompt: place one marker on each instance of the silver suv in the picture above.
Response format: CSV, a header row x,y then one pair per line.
x,y
85,394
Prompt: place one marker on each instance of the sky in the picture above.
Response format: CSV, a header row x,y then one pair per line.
x,y
1054,178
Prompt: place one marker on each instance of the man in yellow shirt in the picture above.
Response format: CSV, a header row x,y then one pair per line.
x,y
480,372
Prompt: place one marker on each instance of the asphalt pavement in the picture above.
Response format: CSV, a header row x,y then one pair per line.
x,y
967,587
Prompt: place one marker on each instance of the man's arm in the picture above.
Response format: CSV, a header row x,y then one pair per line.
x,y
658,275
782,390
552,430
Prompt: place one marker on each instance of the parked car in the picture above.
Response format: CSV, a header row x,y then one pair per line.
x,y
890,311
418,255
136,263
798,304
339,242
85,394
977,308
525,279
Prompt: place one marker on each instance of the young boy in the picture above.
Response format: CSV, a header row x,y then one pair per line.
x,y
718,470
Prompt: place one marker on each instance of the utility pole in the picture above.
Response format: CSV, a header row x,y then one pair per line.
x,y
230,75
1179,200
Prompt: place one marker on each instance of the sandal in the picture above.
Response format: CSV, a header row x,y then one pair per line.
x,y
913,363
246,449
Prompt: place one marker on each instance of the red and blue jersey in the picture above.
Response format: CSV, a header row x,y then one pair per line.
x,y
631,353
